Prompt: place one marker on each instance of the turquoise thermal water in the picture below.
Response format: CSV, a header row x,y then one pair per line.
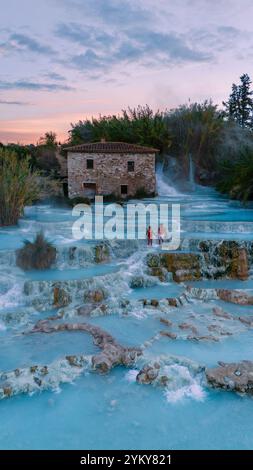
x,y
113,411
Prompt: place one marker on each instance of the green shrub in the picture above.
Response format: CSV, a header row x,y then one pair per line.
x,y
141,193
236,178
46,160
111,198
39,254
78,200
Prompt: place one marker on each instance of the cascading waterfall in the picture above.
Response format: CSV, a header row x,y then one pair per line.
x,y
163,183
191,173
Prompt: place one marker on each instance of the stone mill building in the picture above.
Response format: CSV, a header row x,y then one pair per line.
x,y
106,168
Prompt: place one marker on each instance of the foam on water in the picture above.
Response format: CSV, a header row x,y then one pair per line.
x,y
13,297
2,327
182,385
131,375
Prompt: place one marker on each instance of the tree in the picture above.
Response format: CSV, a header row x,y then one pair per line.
x,y
196,130
46,153
49,140
17,186
139,125
239,106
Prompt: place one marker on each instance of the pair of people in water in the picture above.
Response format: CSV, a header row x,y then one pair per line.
x,y
160,235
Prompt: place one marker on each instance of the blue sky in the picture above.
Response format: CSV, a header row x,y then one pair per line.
x,y
64,60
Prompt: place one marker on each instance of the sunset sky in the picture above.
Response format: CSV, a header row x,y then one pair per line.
x,y
65,60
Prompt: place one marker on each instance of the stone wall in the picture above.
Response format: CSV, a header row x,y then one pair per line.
x,y
110,172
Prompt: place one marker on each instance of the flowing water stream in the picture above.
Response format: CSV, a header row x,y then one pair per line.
x,y
89,410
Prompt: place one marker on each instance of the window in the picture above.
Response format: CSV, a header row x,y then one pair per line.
x,y
130,166
90,163
124,189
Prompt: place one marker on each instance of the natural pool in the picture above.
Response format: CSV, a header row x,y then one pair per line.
x,y
94,411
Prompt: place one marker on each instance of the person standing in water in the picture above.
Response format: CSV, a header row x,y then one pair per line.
x,y
149,236
161,233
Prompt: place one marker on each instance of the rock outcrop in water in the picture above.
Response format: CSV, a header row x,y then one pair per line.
x,y
183,266
203,338
43,295
148,374
178,375
168,334
225,259
112,354
247,321
61,297
96,295
167,302
166,321
211,260
102,253
220,313
37,377
235,376
141,280
160,272
234,296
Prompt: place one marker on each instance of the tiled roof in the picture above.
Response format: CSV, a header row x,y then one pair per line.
x,y
110,147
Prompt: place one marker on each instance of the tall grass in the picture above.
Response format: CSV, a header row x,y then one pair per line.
x,y
17,186
39,254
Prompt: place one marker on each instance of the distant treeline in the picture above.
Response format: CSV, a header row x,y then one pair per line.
x,y
42,156
219,141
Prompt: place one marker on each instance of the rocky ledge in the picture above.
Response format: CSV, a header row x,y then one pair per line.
x,y
235,376
209,260
182,266
112,353
235,296
38,378
44,295
170,371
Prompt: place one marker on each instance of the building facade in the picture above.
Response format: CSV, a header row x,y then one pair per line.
x,y
110,168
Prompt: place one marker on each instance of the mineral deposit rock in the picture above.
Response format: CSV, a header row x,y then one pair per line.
x,y
236,376
148,374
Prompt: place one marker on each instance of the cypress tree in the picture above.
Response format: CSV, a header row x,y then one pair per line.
x,y
239,106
